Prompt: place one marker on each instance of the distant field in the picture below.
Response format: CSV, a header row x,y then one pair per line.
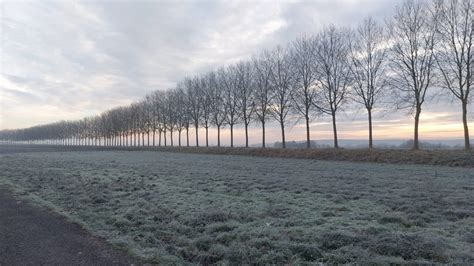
x,y
179,207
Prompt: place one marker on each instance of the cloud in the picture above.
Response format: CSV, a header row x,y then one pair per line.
x,y
67,60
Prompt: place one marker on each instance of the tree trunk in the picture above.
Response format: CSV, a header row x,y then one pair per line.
x,y
218,136
207,136
263,134
416,143
187,136
246,135
467,143
179,137
148,138
171,137
283,141
154,132
308,138
197,135
164,135
334,128
159,138
369,111
232,135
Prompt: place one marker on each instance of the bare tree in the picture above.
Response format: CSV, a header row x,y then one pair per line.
x,y
262,69
135,128
152,101
194,104
282,88
143,121
412,60
455,55
185,113
179,113
228,78
303,69
333,70
162,118
129,125
147,120
170,111
217,105
205,89
368,57
245,100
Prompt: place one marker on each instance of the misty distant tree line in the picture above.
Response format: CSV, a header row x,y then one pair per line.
x,y
424,45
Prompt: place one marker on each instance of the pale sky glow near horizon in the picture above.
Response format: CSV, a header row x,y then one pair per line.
x,y
65,60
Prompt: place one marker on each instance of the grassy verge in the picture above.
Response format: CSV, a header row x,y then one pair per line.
x,y
430,157
456,158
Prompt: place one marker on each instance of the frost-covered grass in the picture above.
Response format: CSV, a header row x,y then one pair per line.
x,y
176,207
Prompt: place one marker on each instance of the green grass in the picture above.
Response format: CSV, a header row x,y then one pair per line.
x,y
176,207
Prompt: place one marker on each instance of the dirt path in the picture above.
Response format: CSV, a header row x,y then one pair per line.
x,y
31,235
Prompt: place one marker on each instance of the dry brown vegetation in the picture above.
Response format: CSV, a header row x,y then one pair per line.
x,y
460,158
433,157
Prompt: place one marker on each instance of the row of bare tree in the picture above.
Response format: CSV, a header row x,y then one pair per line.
x,y
425,45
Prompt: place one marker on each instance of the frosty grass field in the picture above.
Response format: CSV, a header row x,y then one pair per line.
x,y
175,207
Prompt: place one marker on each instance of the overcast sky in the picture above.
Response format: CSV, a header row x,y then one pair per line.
x,y
67,60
